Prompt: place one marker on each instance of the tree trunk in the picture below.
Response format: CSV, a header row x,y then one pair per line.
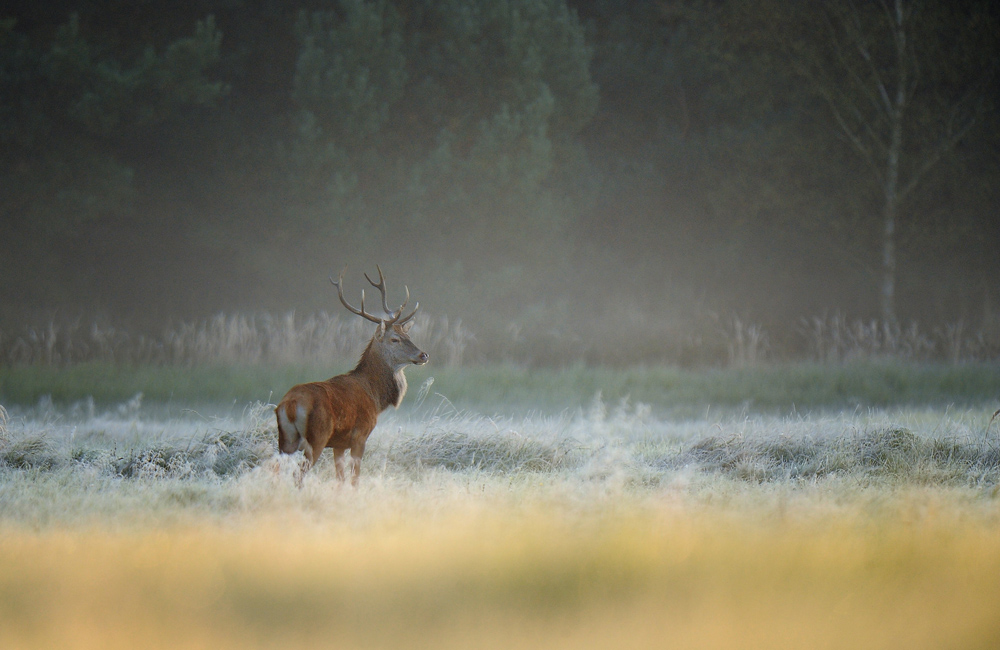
x,y
869,93
887,297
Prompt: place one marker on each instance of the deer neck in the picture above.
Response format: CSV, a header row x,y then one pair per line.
x,y
387,385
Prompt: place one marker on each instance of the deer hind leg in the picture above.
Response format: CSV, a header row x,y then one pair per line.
x,y
309,457
305,463
357,452
292,427
340,462
310,454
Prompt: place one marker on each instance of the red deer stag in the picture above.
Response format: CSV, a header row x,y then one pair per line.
x,y
341,412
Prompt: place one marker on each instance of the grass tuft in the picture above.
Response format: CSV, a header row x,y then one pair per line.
x,y
892,452
459,451
216,453
32,451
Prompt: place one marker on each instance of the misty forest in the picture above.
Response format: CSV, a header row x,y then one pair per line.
x,y
707,352
618,182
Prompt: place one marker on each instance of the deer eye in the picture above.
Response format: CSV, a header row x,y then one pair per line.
x,y
395,339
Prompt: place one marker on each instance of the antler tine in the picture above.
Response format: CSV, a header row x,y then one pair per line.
x,y
399,312
380,285
413,313
339,283
392,315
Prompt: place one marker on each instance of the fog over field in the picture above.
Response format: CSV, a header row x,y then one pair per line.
x,y
628,177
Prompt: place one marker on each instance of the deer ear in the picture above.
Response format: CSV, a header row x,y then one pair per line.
x,y
380,330
406,326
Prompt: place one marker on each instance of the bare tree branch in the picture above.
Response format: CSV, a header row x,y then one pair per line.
x,y
931,160
863,49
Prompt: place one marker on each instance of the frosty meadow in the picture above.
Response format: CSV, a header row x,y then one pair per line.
x,y
587,528
804,505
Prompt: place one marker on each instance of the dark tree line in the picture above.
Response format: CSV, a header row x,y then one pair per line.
x,y
542,161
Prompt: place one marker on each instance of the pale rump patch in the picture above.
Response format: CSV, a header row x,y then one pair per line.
x,y
294,430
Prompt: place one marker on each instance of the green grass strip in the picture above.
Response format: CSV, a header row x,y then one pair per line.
x,y
500,386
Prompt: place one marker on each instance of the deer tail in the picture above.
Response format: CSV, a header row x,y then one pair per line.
x,y
292,418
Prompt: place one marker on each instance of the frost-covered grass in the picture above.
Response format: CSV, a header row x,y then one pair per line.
x,y
77,463
614,524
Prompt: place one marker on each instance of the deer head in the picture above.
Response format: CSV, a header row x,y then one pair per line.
x,y
391,341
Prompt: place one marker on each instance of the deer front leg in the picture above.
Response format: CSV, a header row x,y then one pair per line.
x,y
357,452
339,461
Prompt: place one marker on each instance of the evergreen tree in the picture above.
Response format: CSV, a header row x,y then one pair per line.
x,y
71,113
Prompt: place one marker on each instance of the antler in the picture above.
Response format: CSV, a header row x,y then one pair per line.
x,y
406,319
380,285
339,282
393,315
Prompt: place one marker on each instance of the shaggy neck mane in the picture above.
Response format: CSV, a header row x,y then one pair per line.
x,y
386,387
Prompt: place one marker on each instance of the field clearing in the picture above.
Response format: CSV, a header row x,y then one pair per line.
x,y
608,522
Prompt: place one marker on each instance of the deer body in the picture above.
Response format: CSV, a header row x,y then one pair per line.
x,y
341,412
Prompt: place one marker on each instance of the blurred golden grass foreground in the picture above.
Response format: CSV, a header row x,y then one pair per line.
x,y
912,569
623,526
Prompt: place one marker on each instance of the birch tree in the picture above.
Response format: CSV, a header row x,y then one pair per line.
x,y
905,82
